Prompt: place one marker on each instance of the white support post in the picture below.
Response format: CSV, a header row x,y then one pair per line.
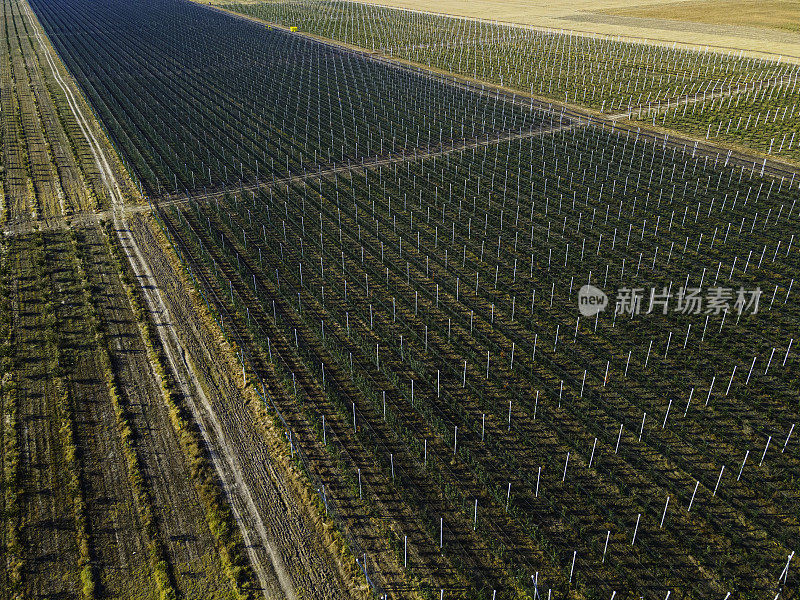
x,y
791,429
664,514
572,569
769,439
785,573
746,454
710,389
696,485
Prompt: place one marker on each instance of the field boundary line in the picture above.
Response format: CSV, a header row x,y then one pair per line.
x,y
168,200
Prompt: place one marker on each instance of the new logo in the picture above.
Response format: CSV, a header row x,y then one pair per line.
x,y
591,300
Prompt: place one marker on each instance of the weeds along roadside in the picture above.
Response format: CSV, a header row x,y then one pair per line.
x,y
156,554
218,515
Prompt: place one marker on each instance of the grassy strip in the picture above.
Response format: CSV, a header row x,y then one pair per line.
x,y
10,437
156,552
218,515
14,551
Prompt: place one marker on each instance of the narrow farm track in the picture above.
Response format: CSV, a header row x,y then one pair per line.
x,y
268,566
560,124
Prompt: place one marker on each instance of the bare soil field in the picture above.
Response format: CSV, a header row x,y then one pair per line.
x,y
48,549
183,532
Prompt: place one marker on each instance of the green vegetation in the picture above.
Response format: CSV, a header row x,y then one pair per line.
x,y
765,120
13,552
600,72
57,350
394,260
